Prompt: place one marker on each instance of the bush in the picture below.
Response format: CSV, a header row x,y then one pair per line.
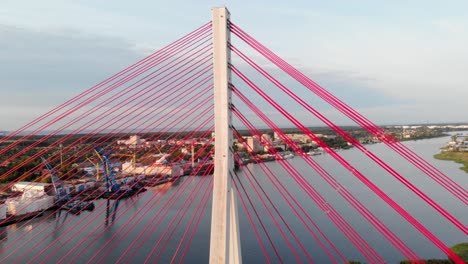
x,y
461,250
429,261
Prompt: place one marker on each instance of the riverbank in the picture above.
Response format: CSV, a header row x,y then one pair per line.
x,y
424,137
458,157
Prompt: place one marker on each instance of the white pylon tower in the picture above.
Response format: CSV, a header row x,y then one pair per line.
x,y
224,239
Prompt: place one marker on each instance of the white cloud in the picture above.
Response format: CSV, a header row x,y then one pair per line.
x,y
451,26
42,70
402,63
68,16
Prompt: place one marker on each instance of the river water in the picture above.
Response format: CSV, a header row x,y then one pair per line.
x,y
129,230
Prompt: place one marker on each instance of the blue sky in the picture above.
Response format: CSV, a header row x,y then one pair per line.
x,y
394,61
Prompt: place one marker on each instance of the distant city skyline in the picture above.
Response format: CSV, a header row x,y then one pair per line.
x,y
396,62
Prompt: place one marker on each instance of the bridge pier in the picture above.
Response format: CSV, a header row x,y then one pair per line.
x,y
224,238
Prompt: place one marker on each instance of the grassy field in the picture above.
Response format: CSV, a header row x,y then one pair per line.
x,y
459,157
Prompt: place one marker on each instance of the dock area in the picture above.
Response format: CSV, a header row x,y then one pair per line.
x,y
17,207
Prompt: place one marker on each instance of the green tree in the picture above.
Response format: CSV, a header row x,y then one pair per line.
x,y
461,250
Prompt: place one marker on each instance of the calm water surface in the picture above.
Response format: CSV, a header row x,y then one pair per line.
x,y
131,228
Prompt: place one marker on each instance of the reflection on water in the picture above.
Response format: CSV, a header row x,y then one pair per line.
x,y
3,233
60,221
111,211
163,188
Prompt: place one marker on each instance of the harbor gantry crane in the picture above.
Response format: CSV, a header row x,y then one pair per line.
x,y
113,189
62,198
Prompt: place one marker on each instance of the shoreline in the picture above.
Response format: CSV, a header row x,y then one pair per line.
x,y
457,157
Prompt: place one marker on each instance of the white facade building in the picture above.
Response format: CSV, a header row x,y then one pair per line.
x,y
168,170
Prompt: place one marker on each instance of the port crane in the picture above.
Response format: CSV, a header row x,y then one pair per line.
x,y
113,189
96,166
61,195
109,177
62,198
